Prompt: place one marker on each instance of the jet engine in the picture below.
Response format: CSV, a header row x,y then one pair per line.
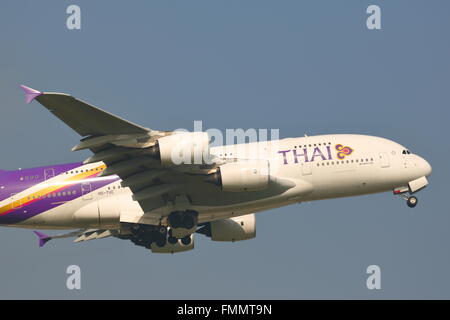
x,y
231,229
182,148
245,175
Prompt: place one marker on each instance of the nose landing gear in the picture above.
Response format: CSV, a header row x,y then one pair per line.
x,y
411,201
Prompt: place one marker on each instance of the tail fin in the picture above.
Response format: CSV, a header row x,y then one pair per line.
x,y
43,238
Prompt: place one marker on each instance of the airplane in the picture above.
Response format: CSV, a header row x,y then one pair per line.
x,y
135,187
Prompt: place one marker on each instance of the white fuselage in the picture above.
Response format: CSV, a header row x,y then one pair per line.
x,y
310,168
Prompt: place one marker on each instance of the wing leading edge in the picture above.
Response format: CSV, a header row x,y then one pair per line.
x,y
82,117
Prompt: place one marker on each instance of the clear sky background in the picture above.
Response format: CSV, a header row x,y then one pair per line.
x,y
301,66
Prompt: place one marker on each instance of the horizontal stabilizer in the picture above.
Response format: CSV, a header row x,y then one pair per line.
x,y
43,238
82,234
94,234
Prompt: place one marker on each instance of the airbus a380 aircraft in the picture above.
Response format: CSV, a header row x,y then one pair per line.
x,y
133,187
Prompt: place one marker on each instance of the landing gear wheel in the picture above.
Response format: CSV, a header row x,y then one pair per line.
x,y
162,230
189,219
161,242
411,202
172,240
175,219
186,240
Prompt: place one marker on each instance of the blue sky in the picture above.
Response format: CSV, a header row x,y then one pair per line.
x,y
304,67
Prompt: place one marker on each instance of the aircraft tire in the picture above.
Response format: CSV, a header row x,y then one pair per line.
x,y
186,240
412,202
172,240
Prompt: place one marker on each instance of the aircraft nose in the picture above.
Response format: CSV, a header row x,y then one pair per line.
x,y
425,167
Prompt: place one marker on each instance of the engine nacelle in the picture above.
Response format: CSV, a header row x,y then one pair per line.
x,y
245,175
172,248
183,148
233,229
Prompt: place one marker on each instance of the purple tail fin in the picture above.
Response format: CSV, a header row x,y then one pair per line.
x,y
30,94
43,238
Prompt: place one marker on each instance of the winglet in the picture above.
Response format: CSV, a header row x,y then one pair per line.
x,y
30,94
43,238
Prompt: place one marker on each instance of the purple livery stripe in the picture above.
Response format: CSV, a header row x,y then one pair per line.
x,y
10,180
33,207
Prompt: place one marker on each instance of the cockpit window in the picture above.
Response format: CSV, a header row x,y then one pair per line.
x,y
406,152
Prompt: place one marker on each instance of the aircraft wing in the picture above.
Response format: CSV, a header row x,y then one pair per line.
x,y
123,146
82,117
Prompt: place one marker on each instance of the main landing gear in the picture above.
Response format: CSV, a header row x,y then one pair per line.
x,y
144,235
182,225
183,219
186,240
